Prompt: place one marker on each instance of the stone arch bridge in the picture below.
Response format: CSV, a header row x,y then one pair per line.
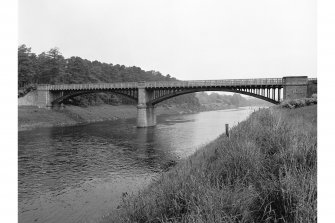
x,y
148,94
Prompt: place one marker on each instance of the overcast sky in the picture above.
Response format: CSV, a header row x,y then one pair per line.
x,y
186,39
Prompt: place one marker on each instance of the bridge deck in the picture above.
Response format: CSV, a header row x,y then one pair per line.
x,y
276,82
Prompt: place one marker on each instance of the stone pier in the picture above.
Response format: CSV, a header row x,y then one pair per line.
x,y
44,99
295,87
146,115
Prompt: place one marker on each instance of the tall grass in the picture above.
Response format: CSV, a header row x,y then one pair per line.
x,y
265,172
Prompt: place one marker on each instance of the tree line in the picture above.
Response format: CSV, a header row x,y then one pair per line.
x,y
52,67
235,99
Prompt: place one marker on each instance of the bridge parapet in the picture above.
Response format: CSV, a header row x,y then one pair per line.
x,y
219,83
279,82
165,84
61,87
148,94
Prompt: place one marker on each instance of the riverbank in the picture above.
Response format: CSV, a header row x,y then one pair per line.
x,y
30,117
265,172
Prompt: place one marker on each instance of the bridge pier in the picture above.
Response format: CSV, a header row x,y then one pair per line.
x,y
146,115
44,99
295,87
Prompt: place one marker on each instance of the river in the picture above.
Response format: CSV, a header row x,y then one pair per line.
x,y
79,173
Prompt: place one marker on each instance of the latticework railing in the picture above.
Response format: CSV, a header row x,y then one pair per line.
x,y
167,84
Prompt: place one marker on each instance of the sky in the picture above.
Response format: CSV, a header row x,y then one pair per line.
x,y
190,40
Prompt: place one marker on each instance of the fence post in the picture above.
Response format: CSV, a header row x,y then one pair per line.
x,y
227,130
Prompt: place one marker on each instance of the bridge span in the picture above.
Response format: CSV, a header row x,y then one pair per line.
x,y
148,94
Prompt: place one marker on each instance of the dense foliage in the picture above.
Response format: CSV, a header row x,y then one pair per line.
x,y
52,68
301,102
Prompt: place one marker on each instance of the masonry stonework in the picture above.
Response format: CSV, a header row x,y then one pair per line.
x,y
44,99
295,87
146,115
312,88
29,99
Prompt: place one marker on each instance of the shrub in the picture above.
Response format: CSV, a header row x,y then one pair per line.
x,y
297,103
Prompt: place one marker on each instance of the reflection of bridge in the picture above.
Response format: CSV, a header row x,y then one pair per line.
x,y
147,94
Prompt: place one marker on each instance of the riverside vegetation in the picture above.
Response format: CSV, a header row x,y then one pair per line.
x,y
265,172
301,102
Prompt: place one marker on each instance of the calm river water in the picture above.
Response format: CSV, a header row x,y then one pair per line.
x,y
78,173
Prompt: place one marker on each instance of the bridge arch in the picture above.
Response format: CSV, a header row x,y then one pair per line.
x,y
188,91
60,97
147,94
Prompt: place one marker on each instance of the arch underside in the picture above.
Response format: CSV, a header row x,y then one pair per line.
x,y
126,93
193,90
133,94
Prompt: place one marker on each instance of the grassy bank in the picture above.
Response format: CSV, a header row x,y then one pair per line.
x,y
33,117
265,172
30,117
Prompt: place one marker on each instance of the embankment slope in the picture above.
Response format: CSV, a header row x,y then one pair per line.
x,y
265,172
30,117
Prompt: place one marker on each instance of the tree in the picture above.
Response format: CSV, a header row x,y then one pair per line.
x,y
27,65
52,67
78,70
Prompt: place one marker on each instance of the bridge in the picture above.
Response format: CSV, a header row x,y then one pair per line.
x,y
148,94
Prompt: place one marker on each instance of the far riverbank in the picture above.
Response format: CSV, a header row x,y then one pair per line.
x,y
31,117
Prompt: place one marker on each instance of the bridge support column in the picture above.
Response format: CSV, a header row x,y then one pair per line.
x,y
44,99
295,87
146,115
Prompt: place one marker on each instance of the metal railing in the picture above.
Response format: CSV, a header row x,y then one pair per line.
x,y
160,84
120,85
227,82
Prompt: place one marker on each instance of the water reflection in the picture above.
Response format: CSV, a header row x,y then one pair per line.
x,y
78,173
